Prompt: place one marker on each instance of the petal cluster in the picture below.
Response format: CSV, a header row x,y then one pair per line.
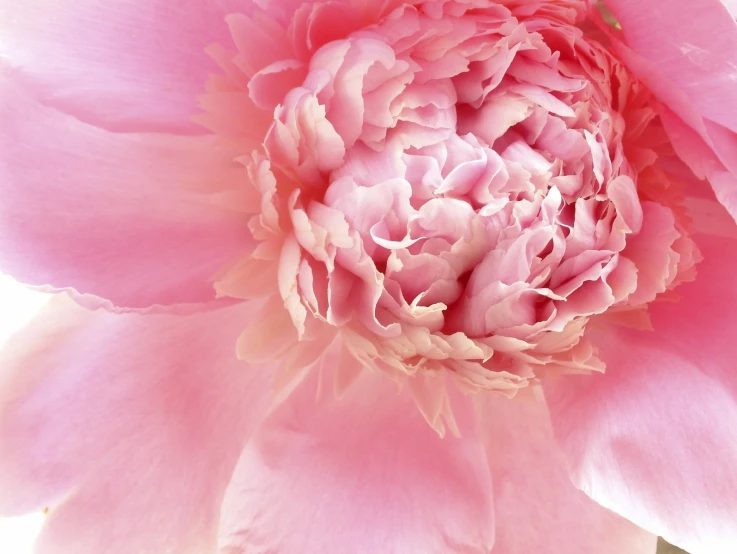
x,y
453,186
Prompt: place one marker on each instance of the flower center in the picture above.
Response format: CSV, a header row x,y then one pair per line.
x,y
453,188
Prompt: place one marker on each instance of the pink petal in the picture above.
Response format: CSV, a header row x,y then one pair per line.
x,y
568,11
694,44
328,21
141,63
655,437
107,214
365,473
260,40
127,427
538,510
269,86
495,118
705,137
652,252
269,334
703,161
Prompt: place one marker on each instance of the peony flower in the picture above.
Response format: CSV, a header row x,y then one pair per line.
x,y
362,276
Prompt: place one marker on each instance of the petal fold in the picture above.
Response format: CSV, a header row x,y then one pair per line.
x,y
538,510
110,214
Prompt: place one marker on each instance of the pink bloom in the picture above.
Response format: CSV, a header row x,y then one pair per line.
x,y
419,276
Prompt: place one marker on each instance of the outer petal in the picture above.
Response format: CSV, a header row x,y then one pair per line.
x,y
703,161
686,53
365,474
694,44
120,64
107,213
655,438
538,510
127,427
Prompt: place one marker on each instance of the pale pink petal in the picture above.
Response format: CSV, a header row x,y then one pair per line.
x,y
651,251
495,118
699,100
655,437
108,213
537,508
731,6
141,63
127,427
709,216
233,115
362,474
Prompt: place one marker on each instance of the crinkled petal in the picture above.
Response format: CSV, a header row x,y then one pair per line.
x,y
108,214
655,437
127,427
569,11
365,473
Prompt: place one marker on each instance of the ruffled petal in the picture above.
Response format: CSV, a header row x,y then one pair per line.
x,y
127,427
537,508
655,437
362,474
121,64
108,214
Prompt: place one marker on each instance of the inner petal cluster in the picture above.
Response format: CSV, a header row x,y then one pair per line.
x,y
451,187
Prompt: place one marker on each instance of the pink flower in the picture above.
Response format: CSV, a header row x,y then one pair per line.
x,y
404,277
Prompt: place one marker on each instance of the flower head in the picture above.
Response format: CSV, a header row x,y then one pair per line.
x,y
389,276
452,188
